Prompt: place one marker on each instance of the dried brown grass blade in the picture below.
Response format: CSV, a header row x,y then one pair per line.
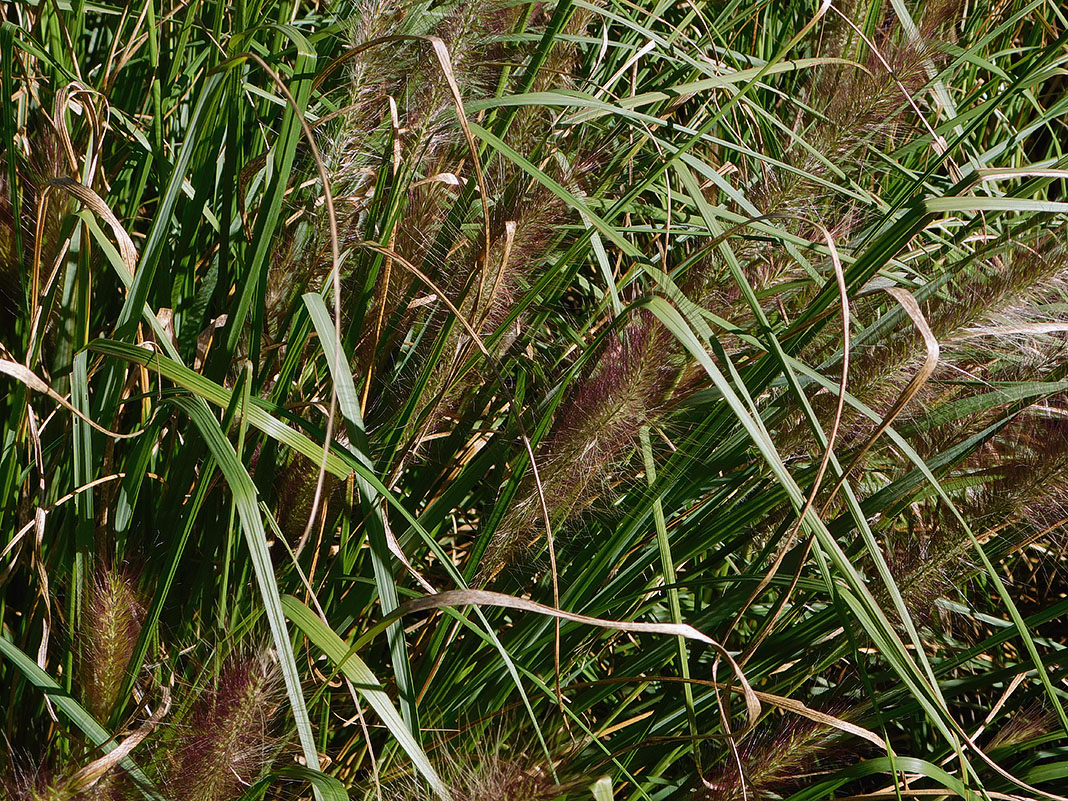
x,y
489,598
99,768
91,200
25,375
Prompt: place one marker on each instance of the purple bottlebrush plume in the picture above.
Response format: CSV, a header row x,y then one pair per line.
x,y
632,382
858,110
1028,723
776,757
37,783
41,779
1003,289
1025,495
926,566
874,105
500,780
525,227
1017,494
294,487
1003,303
111,624
226,742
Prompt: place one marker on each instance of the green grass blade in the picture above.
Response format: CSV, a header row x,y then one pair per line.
x,y
244,494
366,684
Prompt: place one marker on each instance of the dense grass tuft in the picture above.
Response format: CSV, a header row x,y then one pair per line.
x,y
713,353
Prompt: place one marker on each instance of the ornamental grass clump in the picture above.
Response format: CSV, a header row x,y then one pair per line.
x,y
589,380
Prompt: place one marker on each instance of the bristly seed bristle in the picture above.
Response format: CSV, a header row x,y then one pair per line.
x,y
226,743
484,776
773,759
629,384
113,616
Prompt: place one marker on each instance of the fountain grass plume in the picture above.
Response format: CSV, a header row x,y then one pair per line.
x,y
294,488
632,381
1017,494
1030,722
226,742
402,77
1006,286
851,114
41,162
39,783
1025,491
773,759
998,289
111,624
490,772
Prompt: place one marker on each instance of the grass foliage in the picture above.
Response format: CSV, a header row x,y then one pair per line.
x,y
509,401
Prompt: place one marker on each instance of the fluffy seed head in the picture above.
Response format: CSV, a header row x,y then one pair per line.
x,y
485,777
112,623
772,759
630,383
226,743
